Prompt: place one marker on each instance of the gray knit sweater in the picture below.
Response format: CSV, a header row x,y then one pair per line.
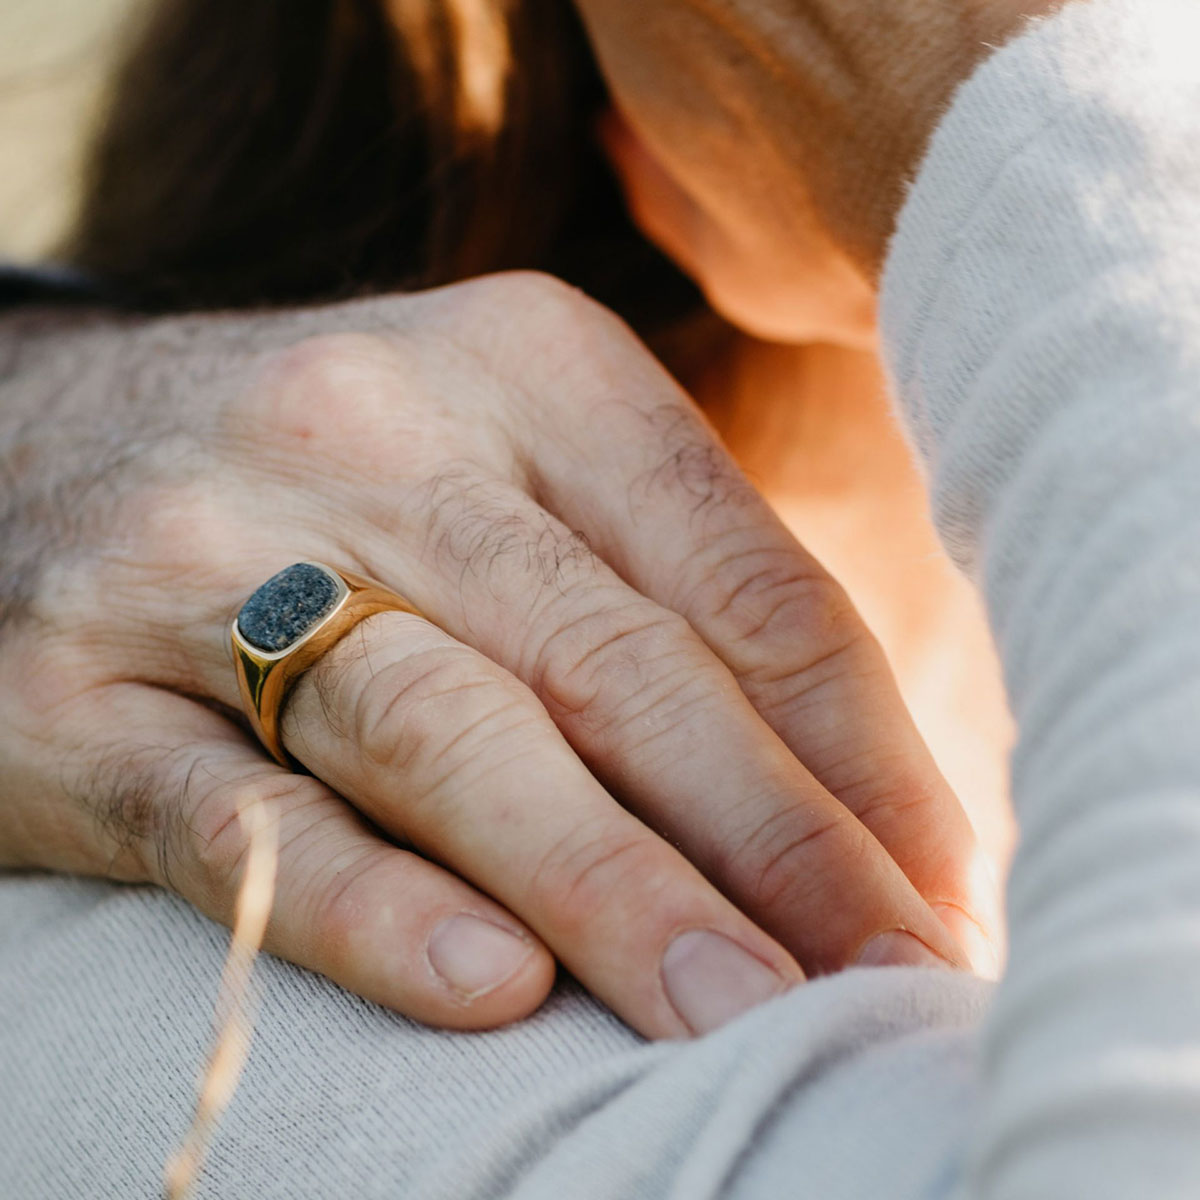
x,y
1042,321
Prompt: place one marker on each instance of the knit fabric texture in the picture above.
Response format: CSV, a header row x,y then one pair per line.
x,y
1041,315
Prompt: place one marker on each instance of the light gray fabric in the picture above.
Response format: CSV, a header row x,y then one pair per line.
x,y
1042,317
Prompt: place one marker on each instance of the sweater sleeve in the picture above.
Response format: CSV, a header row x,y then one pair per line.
x,y
1041,310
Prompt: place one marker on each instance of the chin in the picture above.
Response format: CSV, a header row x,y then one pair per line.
x,y
841,315
771,323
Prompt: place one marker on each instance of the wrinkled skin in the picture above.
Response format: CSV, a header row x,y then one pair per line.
x,y
643,709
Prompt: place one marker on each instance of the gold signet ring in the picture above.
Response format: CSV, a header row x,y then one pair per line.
x,y
287,625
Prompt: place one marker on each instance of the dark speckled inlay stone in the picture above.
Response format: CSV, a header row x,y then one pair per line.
x,y
287,606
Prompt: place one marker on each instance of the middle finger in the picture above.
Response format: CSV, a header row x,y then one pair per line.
x,y
442,748
662,722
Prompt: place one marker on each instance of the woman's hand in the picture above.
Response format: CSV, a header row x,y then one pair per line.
x,y
647,734
766,145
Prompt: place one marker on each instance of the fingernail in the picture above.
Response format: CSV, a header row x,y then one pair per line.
x,y
977,946
899,949
473,956
710,979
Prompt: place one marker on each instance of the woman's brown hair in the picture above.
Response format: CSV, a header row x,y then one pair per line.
x,y
259,152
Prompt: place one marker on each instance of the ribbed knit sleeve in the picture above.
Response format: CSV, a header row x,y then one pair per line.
x,y
1042,317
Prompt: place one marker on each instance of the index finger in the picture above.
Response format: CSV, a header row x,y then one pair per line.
x,y
661,723
666,505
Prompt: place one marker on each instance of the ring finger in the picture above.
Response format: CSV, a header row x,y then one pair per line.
x,y
661,721
446,750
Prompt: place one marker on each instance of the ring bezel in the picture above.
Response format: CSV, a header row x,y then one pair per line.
x,y
343,590
267,677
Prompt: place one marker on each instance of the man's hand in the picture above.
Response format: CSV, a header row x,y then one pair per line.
x,y
647,735
766,144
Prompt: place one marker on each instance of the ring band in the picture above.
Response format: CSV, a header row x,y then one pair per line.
x,y
289,623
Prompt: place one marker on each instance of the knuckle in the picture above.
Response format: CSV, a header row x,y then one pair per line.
x,y
688,467
341,891
533,294
775,615
334,909
326,391
524,318
170,528
597,863
203,835
149,804
441,715
175,554
605,665
123,793
46,680
473,529
887,795
771,867
219,846
322,363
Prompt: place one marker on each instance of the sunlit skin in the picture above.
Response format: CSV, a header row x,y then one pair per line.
x,y
814,429
807,415
767,152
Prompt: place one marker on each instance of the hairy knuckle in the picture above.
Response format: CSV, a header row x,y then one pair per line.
x,y
689,467
474,530
127,801
142,800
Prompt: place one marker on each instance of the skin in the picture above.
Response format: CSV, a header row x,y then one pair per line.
x,y
647,710
648,734
815,429
767,144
